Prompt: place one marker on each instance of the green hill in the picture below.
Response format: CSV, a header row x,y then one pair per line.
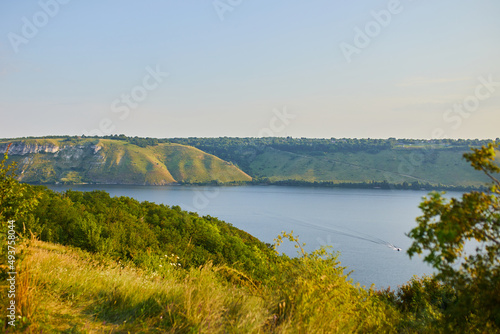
x,y
439,167
437,162
127,160
92,160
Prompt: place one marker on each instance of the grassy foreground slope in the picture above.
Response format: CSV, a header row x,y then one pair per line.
x,y
92,160
65,290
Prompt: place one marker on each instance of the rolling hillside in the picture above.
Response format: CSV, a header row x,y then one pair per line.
x,y
91,160
395,166
127,160
437,162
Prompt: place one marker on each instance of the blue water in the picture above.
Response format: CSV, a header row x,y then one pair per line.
x,y
355,222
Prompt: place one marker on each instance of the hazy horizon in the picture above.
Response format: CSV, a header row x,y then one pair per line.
x,y
369,69
293,137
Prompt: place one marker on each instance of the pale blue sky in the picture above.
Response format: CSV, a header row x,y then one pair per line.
x,y
421,73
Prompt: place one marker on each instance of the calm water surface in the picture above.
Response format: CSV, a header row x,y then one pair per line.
x,y
355,222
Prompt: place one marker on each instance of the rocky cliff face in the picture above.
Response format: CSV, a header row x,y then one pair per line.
x,y
53,162
66,151
23,148
76,152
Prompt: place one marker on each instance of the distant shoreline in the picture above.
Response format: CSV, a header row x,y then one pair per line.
x,y
293,183
331,163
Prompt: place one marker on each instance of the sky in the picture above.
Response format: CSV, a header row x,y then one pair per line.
x,y
250,68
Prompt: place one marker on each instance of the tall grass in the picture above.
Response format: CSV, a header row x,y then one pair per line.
x,y
316,296
25,300
123,298
75,292
26,285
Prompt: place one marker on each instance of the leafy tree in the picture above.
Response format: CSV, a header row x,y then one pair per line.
x,y
421,303
16,199
442,232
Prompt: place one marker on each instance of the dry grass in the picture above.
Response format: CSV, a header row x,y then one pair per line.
x,y
71,292
64,290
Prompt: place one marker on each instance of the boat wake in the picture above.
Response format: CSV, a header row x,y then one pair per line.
x,y
346,232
